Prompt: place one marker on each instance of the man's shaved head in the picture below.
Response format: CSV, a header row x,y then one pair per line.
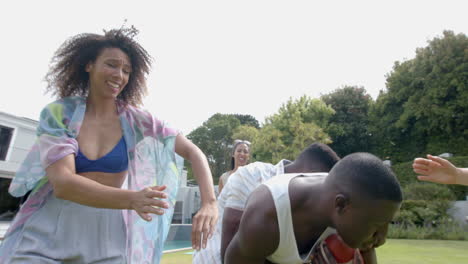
x,y
366,174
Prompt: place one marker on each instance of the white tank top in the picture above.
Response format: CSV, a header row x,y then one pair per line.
x,y
287,251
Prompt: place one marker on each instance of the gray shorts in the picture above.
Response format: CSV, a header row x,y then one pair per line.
x,y
67,232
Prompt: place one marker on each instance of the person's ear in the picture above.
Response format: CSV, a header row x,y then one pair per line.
x,y
89,66
342,203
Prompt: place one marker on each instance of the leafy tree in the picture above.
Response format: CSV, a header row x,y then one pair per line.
x,y
297,124
385,138
245,132
247,120
425,106
214,138
349,126
268,146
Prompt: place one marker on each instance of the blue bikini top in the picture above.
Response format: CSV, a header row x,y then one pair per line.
x,y
114,161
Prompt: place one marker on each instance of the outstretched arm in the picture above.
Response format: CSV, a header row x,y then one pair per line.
x,y
205,220
258,234
439,170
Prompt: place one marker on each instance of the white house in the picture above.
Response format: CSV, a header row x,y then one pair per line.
x,y
17,135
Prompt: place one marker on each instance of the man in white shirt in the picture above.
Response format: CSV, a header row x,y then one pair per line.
x,y
291,219
317,157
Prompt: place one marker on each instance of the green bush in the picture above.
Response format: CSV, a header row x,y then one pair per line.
x,y
422,212
427,191
446,230
425,205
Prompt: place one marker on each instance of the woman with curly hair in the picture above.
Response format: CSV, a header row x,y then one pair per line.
x,y
103,174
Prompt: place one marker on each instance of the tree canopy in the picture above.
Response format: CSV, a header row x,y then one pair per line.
x,y
425,106
349,126
214,138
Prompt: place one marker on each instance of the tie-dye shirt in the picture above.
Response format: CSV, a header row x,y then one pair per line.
x,y
152,161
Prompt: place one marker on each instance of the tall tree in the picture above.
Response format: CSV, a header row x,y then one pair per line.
x,y
297,124
245,132
247,120
214,138
425,106
349,126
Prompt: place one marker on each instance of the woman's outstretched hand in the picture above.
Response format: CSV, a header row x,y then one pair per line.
x,y
435,169
146,202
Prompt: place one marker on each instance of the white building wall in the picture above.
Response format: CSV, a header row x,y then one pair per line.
x,y
24,135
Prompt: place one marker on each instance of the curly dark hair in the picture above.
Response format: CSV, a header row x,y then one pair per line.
x,y
67,75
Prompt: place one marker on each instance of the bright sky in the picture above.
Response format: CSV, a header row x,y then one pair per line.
x,y
242,56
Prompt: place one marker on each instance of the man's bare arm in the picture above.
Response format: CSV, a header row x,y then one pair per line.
x,y
231,221
238,253
258,234
369,256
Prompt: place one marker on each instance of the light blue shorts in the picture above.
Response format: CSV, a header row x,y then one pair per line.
x,y
71,233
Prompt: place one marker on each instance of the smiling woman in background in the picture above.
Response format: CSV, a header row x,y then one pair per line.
x,y
103,173
240,157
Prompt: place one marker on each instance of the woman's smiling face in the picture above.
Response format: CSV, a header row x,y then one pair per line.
x,y
109,73
241,154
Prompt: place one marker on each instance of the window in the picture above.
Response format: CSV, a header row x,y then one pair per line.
x,y
6,134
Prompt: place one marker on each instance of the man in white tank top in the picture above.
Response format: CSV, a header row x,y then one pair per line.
x,y
232,200
293,218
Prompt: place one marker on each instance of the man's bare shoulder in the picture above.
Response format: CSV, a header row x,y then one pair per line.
x,y
258,230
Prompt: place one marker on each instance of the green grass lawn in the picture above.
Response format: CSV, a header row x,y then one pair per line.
x,y
401,251
179,257
395,251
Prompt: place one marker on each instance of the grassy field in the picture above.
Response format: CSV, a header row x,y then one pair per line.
x,y
180,257
401,251
395,251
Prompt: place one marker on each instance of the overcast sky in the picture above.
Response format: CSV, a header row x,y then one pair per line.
x,y
242,56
